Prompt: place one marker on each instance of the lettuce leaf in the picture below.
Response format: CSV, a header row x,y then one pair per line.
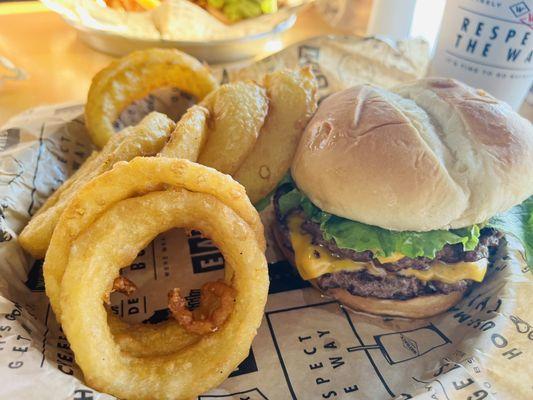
x,y
357,236
518,222
265,201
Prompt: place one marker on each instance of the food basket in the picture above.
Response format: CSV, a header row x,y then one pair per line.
x,y
308,346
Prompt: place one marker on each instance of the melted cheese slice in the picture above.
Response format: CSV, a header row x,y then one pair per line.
x,y
450,273
390,259
313,261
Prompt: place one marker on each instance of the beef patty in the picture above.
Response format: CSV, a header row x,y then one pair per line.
x,y
391,286
388,286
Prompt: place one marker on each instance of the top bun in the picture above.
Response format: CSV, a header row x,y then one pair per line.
x,y
431,154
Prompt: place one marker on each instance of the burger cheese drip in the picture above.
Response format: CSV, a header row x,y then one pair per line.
x,y
313,261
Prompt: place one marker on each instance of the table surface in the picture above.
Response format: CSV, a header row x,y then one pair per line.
x,y
60,66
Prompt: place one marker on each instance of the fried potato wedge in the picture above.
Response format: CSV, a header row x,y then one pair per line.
x,y
134,77
293,100
145,139
237,112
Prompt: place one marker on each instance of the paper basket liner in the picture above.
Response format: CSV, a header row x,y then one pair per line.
x,y
308,346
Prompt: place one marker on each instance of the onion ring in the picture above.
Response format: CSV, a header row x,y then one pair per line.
x,y
293,99
135,76
141,175
92,268
237,111
190,135
145,139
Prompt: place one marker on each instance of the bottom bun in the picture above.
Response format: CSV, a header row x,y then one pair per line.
x,y
417,307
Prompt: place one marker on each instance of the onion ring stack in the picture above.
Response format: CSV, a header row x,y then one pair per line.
x,y
157,134
104,227
247,130
143,182
240,129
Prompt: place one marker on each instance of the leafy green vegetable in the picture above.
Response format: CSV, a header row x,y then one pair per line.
x,y
357,236
518,222
265,201
289,201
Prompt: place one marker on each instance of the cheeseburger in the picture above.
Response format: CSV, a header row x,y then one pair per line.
x,y
392,202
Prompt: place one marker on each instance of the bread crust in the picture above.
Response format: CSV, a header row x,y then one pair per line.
x,y
417,307
436,154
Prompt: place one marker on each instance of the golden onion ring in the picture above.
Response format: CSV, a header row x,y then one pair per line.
x,y
141,175
113,241
293,101
190,135
145,139
237,111
134,77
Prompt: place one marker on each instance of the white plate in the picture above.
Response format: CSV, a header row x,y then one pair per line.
x,y
119,33
213,51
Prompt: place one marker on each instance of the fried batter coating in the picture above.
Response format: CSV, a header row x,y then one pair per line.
x,y
124,285
216,304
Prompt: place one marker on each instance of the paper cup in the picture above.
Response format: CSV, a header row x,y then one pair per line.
x,y
489,45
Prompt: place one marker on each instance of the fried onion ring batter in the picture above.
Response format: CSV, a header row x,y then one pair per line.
x,y
112,241
210,315
123,285
133,77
